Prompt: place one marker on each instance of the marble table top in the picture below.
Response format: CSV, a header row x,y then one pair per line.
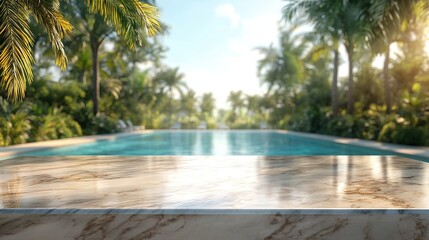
x,y
214,182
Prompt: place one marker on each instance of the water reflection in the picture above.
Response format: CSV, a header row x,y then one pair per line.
x,y
349,168
221,143
335,170
214,181
262,143
345,181
97,182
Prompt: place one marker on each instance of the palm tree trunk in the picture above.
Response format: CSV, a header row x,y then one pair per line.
x,y
171,105
350,97
334,89
95,77
81,77
386,79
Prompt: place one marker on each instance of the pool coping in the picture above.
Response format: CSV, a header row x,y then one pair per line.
x,y
301,211
16,150
394,148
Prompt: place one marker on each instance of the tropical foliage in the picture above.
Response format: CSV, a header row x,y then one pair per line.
x,y
128,18
389,104
112,71
102,79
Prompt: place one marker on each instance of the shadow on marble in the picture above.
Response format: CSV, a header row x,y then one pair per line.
x,y
237,227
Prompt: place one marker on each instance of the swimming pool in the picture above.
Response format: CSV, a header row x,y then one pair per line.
x,y
216,143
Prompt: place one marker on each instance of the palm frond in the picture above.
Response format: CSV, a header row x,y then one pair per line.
x,y
128,17
293,8
16,42
151,18
47,13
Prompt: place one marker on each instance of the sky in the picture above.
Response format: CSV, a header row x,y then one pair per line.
x,y
213,42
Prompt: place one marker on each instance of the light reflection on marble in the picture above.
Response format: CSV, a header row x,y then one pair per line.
x,y
200,182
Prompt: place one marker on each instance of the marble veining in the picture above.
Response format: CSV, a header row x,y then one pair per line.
x,y
214,182
221,226
208,197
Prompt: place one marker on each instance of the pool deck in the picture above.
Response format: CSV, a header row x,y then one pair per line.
x,y
394,148
214,197
15,150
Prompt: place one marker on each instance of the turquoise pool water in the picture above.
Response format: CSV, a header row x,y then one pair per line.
x,y
267,143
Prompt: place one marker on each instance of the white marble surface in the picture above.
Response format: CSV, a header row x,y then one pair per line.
x,y
199,182
220,226
197,197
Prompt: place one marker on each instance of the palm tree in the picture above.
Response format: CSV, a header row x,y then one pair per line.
x,y
207,104
253,104
128,18
269,67
237,101
92,28
354,24
345,21
389,17
283,68
323,15
189,102
170,80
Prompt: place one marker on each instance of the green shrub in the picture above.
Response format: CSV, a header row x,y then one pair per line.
x,y
387,132
408,135
102,124
54,125
400,131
